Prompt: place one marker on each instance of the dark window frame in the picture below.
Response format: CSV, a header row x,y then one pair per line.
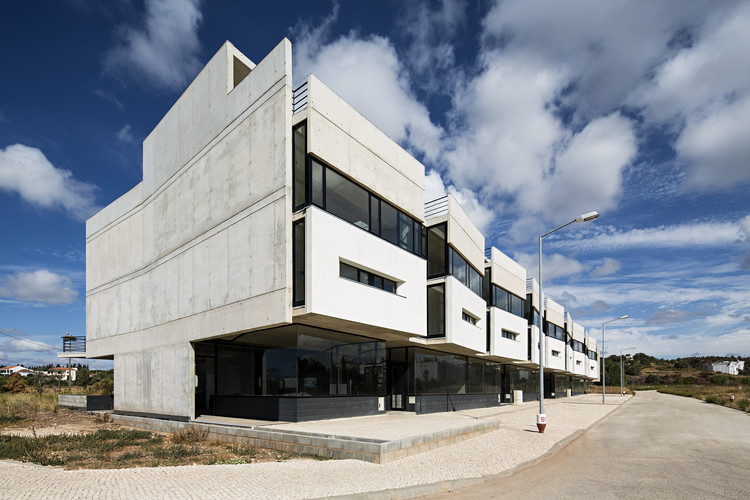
x,y
369,278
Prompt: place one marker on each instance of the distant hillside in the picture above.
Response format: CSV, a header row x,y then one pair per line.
x,y
643,369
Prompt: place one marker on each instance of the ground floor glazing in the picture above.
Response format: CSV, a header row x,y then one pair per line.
x,y
298,372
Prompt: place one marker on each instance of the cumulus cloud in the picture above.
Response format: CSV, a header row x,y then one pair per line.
x,y
435,188
610,266
163,52
555,266
430,54
367,72
26,171
40,287
702,92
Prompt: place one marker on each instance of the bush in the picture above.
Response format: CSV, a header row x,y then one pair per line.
x,y
719,379
711,399
745,380
652,379
743,404
15,384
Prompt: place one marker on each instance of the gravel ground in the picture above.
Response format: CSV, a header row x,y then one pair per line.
x,y
514,443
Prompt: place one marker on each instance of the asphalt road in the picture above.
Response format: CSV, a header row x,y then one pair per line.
x,y
655,446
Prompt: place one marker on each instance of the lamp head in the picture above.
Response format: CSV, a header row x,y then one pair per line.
x,y
623,317
587,217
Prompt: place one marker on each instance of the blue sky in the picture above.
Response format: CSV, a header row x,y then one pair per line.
x,y
529,112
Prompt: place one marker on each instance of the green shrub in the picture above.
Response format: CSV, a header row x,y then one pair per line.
x,y
719,379
745,380
711,399
743,404
652,379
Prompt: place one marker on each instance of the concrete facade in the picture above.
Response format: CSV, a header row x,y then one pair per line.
x,y
261,219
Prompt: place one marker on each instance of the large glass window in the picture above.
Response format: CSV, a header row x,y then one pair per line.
x,y
436,310
463,272
300,361
299,158
554,331
298,263
503,299
439,373
347,200
342,197
436,251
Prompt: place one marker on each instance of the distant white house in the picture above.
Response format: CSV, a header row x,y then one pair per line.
x,y
728,367
12,370
61,372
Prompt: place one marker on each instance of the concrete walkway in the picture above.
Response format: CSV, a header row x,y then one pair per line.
x,y
514,443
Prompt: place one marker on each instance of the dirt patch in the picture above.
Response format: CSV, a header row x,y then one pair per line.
x,y
77,440
64,421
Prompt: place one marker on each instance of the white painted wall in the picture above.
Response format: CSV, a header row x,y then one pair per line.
x,y
330,240
500,346
459,298
554,362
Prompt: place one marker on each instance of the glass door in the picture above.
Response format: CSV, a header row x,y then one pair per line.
x,y
397,387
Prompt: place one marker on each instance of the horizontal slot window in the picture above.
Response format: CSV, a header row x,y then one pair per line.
x,y
468,318
366,278
556,354
509,335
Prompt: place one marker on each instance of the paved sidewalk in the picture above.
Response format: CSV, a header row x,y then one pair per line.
x,y
516,442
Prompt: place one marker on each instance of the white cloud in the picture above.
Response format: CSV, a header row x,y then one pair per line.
x,y
697,234
26,171
164,51
435,188
555,266
367,73
41,287
430,54
716,147
703,93
125,134
609,267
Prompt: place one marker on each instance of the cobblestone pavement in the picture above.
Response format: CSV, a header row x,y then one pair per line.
x,y
515,442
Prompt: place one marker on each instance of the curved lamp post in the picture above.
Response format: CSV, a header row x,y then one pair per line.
x,y
541,418
604,378
622,377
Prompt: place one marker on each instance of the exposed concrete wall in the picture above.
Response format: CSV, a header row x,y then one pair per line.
x,y
343,138
207,249
464,235
508,274
554,312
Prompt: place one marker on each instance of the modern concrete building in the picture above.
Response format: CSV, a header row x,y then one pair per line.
x,y
278,262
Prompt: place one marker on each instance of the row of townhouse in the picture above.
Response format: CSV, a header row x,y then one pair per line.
x,y
278,262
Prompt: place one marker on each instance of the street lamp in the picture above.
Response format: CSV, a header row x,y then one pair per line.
x,y
604,379
541,419
622,377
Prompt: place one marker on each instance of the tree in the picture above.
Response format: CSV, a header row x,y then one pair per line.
x,y
83,376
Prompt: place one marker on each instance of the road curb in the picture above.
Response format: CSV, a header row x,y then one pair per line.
x,y
420,490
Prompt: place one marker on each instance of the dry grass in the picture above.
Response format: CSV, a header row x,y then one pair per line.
x,y
20,406
716,394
